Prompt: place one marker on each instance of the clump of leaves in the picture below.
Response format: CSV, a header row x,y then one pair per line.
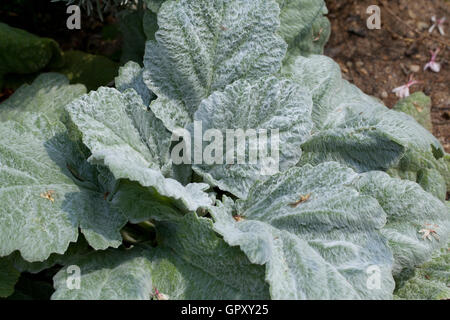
x,y
346,199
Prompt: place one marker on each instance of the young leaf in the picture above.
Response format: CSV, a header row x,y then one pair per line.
x,y
202,46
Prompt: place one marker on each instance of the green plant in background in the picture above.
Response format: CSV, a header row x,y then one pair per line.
x,y
24,53
85,174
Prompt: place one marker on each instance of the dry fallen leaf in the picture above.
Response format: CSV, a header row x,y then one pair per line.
x,y
302,199
48,195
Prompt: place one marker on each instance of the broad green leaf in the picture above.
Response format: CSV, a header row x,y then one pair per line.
x,y
49,93
356,129
430,281
109,119
192,262
317,236
410,212
202,46
304,26
418,106
22,52
48,192
264,104
8,279
128,139
91,70
130,76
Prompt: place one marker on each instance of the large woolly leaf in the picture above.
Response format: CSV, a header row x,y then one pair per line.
x,y
318,237
265,104
411,211
202,46
430,281
127,138
154,5
304,26
356,129
192,262
22,52
49,93
48,191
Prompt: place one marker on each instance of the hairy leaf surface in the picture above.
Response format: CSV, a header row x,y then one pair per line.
x,y
202,46
265,104
45,197
304,26
317,236
358,130
128,139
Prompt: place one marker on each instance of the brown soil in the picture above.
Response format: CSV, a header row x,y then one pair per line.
x,y
378,61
